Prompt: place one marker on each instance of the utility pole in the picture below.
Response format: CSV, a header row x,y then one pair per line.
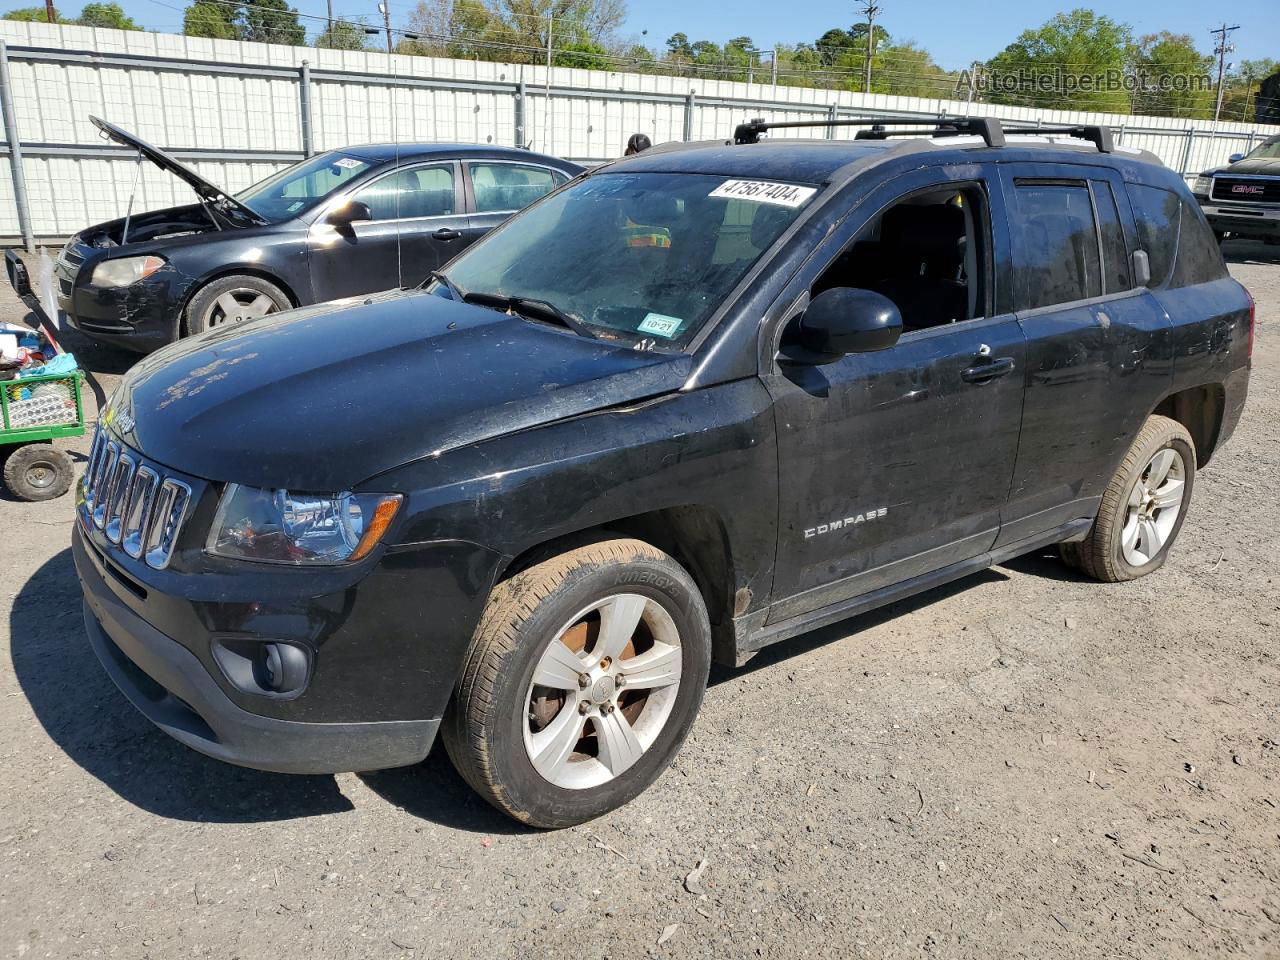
x,y
50,14
386,20
1222,49
871,10
773,66
546,97
973,82
329,20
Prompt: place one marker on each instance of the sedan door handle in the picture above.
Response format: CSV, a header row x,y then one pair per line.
x,y
446,234
986,372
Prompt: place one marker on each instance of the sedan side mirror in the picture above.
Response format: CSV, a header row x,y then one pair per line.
x,y
846,320
1235,157
344,216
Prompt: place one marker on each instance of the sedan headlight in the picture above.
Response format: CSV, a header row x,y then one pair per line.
x,y
1203,185
126,270
284,526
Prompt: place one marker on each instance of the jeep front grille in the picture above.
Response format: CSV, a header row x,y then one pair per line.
x,y
133,504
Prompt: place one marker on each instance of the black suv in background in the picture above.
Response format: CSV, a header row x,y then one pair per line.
x,y
693,403
339,224
1243,199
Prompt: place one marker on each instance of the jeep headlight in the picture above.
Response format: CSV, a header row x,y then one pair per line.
x,y
1204,184
284,526
126,270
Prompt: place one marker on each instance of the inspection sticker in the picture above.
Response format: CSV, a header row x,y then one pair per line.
x,y
762,191
660,325
348,163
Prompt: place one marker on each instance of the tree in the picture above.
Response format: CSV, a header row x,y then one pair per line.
x,y
208,18
344,35
1170,67
1242,93
1054,65
108,15
271,21
32,15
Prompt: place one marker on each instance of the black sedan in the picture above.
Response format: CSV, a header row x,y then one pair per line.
x,y
338,224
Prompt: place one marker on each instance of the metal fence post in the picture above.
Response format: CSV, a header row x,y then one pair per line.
x,y
1186,152
1120,134
1249,148
15,151
304,105
689,101
833,114
520,101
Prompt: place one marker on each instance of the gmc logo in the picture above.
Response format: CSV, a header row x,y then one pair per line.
x,y
1246,188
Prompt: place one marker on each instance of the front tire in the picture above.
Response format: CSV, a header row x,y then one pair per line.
x,y
581,683
233,299
1142,508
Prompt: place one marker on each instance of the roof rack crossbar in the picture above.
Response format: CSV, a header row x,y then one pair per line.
x,y
988,128
1099,136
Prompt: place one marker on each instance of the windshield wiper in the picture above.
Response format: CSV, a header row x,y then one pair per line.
x,y
455,291
545,310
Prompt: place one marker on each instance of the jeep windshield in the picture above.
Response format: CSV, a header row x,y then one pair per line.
x,y
296,189
629,255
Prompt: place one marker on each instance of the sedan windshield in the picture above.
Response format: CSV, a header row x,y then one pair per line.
x,y
296,189
630,255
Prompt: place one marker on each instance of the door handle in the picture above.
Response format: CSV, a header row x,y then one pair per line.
x,y
446,234
986,372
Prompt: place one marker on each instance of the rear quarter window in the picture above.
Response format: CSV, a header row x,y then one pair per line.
x,y
1199,256
1157,213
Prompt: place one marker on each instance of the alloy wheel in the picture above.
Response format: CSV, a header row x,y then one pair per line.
x,y
602,691
1153,507
238,305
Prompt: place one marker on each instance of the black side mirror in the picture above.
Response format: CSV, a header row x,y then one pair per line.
x,y
344,216
846,320
1235,158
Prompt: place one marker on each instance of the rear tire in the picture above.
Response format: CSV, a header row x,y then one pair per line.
x,y
1142,508
231,300
580,743
38,471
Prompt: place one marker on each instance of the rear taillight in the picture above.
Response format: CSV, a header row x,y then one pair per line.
x,y
1253,316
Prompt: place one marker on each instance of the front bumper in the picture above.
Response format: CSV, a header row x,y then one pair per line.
x,y
173,689
1241,219
142,316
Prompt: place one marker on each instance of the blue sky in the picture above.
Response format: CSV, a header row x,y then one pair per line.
x,y
954,32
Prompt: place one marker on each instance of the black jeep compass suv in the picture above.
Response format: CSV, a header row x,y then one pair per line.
x,y
693,403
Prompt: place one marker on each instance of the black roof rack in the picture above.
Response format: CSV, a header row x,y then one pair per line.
x,y
1100,137
988,128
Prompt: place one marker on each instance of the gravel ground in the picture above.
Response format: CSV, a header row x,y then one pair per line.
x,y
1021,764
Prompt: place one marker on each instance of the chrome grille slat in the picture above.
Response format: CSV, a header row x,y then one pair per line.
x,y
119,504
104,482
135,505
137,523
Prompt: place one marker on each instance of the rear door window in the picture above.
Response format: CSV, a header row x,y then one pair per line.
x,y
1157,213
511,186
1199,256
1057,242
1115,258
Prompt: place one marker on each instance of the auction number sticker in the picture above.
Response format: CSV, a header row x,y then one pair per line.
x,y
348,163
762,191
659,324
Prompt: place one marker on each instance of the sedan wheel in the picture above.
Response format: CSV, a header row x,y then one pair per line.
x,y
239,305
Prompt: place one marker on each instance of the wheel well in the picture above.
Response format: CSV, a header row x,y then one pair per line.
x,y
693,535
233,272
1199,409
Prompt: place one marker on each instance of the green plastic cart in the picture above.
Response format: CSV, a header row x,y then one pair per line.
x,y
34,412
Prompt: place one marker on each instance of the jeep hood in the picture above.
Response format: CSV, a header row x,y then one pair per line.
x,y
322,398
207,191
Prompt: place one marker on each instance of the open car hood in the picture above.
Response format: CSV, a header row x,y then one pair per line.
x,y
207,191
